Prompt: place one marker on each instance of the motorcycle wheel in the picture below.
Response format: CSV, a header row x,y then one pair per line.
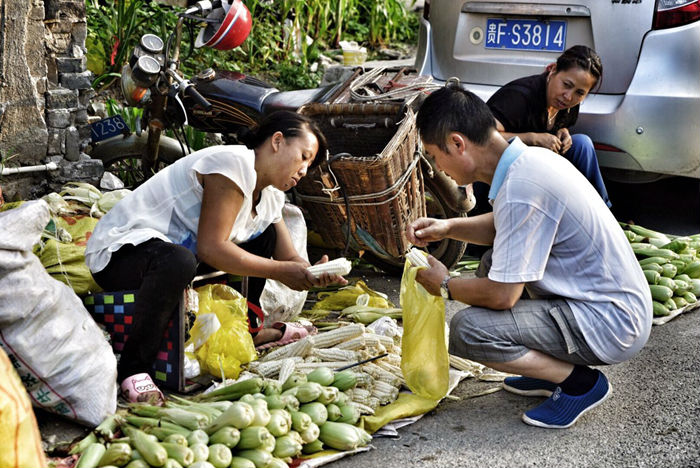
x,y
122,157
448,251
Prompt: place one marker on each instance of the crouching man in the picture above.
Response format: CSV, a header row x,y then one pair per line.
x,y
553,236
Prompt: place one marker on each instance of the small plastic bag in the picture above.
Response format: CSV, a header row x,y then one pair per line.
x,y
424,359
231,345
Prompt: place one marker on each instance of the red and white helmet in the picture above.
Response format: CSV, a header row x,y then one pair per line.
x,y
231,27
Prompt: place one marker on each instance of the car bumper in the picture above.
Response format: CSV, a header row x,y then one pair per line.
x,y
654,126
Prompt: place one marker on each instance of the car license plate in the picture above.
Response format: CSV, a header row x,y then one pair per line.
x,y
107,128
521,34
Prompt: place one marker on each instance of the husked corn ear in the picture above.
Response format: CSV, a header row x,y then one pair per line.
x,y
338,266
417,258
271,368
364,409
335,354
384,340
393,358
287,368
364,379
373,402
356,343
465,365
298,348
381,375
331,338
307,367
383,387
359,395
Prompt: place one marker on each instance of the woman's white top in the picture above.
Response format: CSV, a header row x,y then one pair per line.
x,y
168,205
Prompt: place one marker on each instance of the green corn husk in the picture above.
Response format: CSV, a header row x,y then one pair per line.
x,y
300,421
262,414
340,436
138,464
91,456
118,454
310,434
200,451
344,380
182,454
312,447
234,391
228,436
328,395
317,411
321,375
308,392
349,414
220,456
286,446
240,415
172,463
80,447
274,402
178,439
259,457
240,462
290,403
294,380
277,463
333,412
188,419
154,453
272,387
280,422
252,437
197,437
348,295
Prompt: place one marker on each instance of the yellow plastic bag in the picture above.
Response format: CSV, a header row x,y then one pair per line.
x,y
424,359
20,442
231,345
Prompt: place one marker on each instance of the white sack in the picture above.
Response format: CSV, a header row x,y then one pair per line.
x,y
59,352
278,302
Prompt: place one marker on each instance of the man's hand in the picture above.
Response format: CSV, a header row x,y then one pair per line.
x,y
425,230
431,278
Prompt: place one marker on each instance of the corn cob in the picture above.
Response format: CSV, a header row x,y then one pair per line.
x,y
298,348
353,344
465,365
331,338
287,368
384,340
359,395
394,357
417,258
272,368
338,266
335,354
386,393
307,367
381,375
364,379
364,409
373,402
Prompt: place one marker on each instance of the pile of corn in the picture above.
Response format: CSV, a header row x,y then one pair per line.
x,y
671,265
253,423
377,382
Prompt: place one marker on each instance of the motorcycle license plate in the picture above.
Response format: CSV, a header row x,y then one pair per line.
x,y
521,34
107,128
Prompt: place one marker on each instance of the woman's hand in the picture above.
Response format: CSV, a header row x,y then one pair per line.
x,y
295,275
565,138
327,279
425,230
431,278
546,140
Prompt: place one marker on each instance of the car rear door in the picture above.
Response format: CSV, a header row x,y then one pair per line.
x,y
494,42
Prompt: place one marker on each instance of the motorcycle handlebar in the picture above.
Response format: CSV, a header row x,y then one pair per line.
x,y
198,98
202,7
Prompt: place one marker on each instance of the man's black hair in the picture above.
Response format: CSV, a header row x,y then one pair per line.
x,y
453,109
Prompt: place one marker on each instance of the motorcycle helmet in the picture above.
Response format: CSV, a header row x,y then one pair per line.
x,y
227,26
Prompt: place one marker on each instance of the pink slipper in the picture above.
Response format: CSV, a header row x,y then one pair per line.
x,y
291,332
140,388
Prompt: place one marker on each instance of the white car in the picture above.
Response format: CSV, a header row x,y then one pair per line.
x,y
645,116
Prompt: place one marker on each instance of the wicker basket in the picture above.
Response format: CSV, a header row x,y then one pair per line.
x,y
373,174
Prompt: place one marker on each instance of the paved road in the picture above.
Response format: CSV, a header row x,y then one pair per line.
x,y
651,419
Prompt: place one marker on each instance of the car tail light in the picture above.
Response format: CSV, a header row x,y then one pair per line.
x,y
672,13
426,10
604,147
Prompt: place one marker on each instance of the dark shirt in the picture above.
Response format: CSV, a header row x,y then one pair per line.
x,y
521,106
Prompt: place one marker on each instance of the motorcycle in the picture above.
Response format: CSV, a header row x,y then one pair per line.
x,y
224,102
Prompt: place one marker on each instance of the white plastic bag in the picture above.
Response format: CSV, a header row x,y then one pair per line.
x,y
59,352
278,302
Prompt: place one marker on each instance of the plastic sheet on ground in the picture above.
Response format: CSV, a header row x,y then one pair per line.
x,y
674,313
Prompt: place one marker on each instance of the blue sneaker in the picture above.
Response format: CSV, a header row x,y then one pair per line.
x,y
528,386
560,410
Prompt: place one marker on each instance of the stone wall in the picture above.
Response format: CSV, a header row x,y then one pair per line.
x,y
44,94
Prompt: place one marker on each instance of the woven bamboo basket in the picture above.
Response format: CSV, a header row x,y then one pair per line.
x,y
372,184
